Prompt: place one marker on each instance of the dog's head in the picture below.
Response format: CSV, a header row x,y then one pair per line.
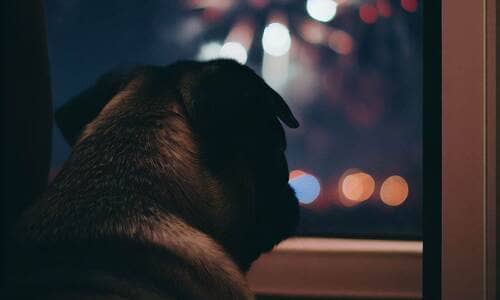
x,y
218,124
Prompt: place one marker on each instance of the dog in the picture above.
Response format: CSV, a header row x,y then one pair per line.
x,y
176,183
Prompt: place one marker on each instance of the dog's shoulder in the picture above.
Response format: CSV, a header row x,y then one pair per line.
x,y
164,259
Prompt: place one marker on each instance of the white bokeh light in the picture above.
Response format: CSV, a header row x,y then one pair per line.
x,y
276,39
235,51
209,51
321,10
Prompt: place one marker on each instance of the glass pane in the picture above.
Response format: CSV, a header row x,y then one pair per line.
x,y
351,70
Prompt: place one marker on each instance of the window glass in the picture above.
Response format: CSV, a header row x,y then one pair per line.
x,y
351,70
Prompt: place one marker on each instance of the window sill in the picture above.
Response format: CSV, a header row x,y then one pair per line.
x,y
361,269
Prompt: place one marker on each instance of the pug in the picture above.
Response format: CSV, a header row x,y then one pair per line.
x,y
176,183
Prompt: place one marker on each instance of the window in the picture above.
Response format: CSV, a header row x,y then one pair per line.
x,y
329,50
350,70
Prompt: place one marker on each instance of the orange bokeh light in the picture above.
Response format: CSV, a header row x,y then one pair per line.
x,y
296,173
358,187
394,190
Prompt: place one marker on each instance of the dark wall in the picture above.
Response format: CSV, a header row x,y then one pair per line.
x,y
26,111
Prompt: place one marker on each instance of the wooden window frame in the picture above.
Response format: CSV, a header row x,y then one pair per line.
x,y
309,267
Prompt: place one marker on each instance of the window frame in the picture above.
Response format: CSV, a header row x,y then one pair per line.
x,y
330,267
469,163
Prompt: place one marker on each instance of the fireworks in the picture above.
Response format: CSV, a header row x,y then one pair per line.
x,y
310,21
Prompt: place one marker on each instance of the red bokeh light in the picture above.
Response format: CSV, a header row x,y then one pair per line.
x,y
368,13
409,5
296,173
258,4
313,32
212,14
341,42
384,8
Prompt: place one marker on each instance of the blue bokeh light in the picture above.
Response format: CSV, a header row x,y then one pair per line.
x,y
307,188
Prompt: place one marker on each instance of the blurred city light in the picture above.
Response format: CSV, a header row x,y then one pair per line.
x,y
307,187
346,202
234,51
409,5
258,4
276,39
313,32
358,187
222,5
368,13
384,8
242,33
394,190
212,15
296,173
340,42
275,70
209,51
321,10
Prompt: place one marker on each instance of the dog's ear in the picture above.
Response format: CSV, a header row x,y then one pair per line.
x,y
233,108
79,111
281,109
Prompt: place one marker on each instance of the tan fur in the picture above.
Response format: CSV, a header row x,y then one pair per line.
x,y
185,241
111,106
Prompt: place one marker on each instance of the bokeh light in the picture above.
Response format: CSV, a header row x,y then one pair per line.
x,y
358,187
313,32
321,10
296,173
394,190
409,5
276,39
368,13
222,5
258,4
306,186
209,51
340,42
384,8
242,32
344,201
234,51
